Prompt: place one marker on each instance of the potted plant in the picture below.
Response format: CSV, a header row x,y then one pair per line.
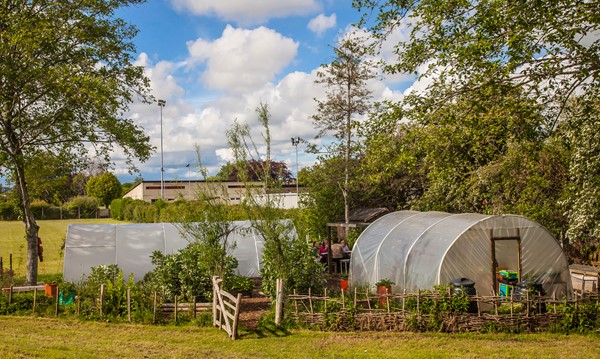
x,y
384,287
344,282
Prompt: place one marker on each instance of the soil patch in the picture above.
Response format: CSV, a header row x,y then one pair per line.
x,y
252,309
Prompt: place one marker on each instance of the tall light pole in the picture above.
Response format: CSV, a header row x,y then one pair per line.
x,y
189,183
295,143
161,104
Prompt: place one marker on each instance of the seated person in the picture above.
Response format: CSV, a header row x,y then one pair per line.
x,y
323,250
337,252
345,249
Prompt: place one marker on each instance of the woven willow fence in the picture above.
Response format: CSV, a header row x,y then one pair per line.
x,y
364,311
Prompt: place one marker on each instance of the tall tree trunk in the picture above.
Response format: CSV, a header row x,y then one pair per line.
x,y
31,227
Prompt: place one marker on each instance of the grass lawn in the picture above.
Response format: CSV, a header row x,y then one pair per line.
x,y
52,233
60,338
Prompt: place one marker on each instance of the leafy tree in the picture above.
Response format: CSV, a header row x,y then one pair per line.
x,y
504,77
548,49
254,169
105,188
79,183
347,96
284,255
209,229
581,135
50,177
67,79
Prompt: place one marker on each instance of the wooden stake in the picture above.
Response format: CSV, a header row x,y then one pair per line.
x,y
527,300
10,293
214,306
129,304
154,309
175,310
403,300
325,300
56,300
194,307
236,315
343,300
78,298
310,301
34,299
279,302
511,304
354,297
295,299
477,298
101,298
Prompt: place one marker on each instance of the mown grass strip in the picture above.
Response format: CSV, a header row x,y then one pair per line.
x,y
57,338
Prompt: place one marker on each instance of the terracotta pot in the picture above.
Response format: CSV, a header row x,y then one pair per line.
x,y
382,290
344,284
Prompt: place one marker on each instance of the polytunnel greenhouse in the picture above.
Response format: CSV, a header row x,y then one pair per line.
x,y
130,246
419,250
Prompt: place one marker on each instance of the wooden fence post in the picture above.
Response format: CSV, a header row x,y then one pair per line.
x,y
279,302
214,303
310,300
236,316
129,304
154,309
101,299
478,300
1,267
56,300
296,301
175,311
78,299
34,299
194,308
10,261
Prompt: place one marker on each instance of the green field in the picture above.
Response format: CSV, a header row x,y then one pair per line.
x,y
52,233
58,338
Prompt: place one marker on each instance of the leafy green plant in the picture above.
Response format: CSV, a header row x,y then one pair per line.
x,y
240,284
384,282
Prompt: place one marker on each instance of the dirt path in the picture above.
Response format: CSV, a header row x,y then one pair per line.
x,y
252,309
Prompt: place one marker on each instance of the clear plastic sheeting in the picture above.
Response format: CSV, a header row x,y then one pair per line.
x,y
130,246
418,250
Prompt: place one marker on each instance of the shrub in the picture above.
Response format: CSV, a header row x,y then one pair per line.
x,y
83,206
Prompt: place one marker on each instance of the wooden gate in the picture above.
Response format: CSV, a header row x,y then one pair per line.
x,y
226,309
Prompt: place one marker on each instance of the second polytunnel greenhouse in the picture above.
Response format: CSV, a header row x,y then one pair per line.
x,y
419,250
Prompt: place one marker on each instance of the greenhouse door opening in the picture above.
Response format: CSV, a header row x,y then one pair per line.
x,y
506,256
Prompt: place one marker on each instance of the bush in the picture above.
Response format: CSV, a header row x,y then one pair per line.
x,y
239,284
83,206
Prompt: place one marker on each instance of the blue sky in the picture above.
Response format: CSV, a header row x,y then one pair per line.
x,y
214,61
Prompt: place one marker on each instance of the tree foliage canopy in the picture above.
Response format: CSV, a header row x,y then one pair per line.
x,y
549,49
506,121
66,79
104,187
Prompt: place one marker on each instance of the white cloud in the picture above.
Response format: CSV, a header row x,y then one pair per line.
x,y
242,60
322,23
202,117
247,12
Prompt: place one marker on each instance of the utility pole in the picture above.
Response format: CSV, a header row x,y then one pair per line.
x,y
161,104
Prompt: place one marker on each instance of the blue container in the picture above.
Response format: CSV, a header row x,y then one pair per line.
x,y
505,290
